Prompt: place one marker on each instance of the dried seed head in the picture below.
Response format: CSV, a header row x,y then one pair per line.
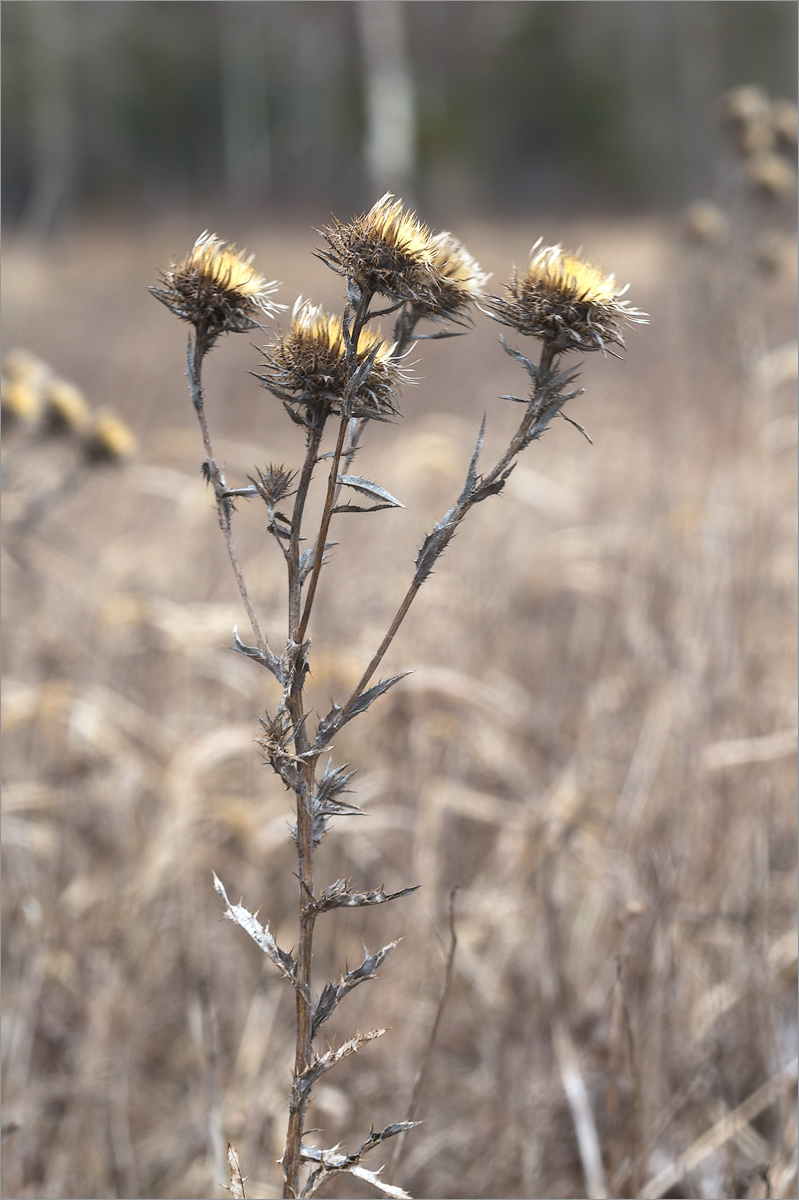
x,y
460,280
386,250
307,367
20,402
216,288
566,302
65,407
110,440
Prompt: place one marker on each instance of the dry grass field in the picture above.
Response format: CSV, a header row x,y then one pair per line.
x,y
597,745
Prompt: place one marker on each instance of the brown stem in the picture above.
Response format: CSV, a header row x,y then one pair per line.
x,y
292,1155
403,336
352,339
330,500
295,578
215,478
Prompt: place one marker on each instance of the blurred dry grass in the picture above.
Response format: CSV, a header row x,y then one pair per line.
x,y
597,745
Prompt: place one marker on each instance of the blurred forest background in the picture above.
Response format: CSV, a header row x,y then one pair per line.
x,y
136,107
598,739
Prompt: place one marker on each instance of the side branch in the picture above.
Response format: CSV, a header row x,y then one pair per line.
x,y
194,358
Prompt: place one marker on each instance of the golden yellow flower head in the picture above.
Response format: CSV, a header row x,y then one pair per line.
x,y
217,289
310,367
65,408
387,251
110,440
565,301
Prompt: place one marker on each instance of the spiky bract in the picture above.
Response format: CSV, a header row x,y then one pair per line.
x,y
565,301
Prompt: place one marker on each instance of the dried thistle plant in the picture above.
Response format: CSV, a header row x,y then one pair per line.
x,y
334,373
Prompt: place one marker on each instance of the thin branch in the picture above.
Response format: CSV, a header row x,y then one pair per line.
x,y
330,501
194,358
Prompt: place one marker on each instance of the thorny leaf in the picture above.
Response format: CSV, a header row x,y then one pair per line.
x,y
434,544
334,993
483,490
327,800
307,559
329,1059
333,783
236,1186
367,488
365,700
266,658
341,895
285,764
471,474
531,367
260,935
330,724
332,1161
445,333
360,508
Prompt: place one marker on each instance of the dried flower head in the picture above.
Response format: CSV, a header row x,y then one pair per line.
x,y
460,280
110,440
274,483
566,302
216,288
20,402
65,407
386,250
308,367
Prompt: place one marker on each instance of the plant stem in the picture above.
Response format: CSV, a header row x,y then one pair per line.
x,y
330,500
295,577
224,506
298,626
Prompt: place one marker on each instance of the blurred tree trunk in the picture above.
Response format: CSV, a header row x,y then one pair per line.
x,y
244,100
52,117
389,94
